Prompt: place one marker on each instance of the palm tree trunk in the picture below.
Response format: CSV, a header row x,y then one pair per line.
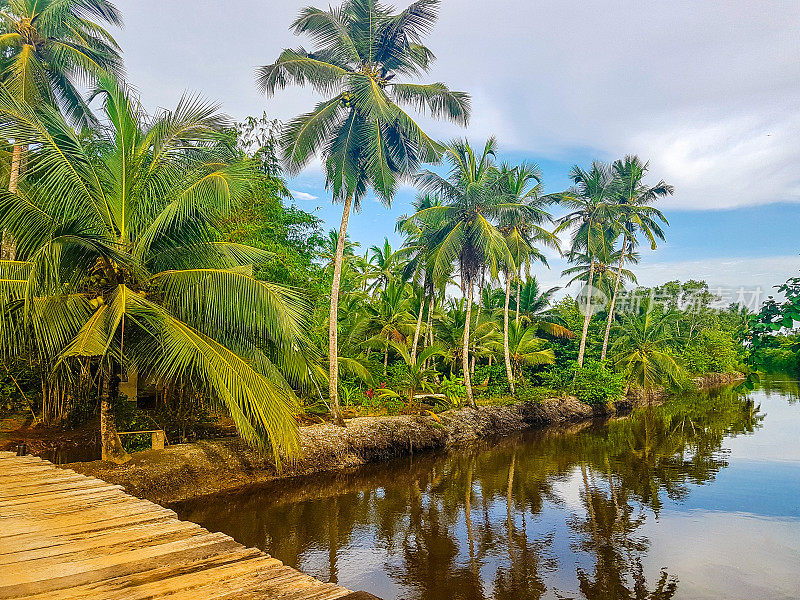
x,y
587,316
506,350
385,359
8,250
613,300
430,319
519,296
428,340
333,341
419,326
477,318
110,446
465,348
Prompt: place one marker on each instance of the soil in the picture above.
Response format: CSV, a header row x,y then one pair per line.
x,y
52,443
185,471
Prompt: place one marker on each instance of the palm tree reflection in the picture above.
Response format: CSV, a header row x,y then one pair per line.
x,y
485,522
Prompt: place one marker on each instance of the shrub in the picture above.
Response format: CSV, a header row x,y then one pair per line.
x,y
780,360
712,351
558,378
495,377
594,384
532,393
454,389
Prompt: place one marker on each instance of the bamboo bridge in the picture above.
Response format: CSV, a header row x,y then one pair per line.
x,y
68,536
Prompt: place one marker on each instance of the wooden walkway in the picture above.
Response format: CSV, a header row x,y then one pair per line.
x,y
68,536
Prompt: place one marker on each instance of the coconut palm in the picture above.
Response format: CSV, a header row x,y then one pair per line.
x,y
329,245
605,278
522,185
534,308
50,47
642,350
593,219
47,49
361,51
418,269
526,349
388,318
416,376
637,215
464,230
450,328
120,269
388,263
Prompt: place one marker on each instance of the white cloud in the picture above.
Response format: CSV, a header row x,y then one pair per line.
x,y
754,273
303,195
734,279
709,96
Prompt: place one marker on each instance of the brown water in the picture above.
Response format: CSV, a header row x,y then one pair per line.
x,y
699,498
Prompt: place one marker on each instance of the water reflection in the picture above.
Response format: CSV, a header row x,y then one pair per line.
x,y
566,513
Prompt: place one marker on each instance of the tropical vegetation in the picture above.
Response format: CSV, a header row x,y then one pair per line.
x,y
165,249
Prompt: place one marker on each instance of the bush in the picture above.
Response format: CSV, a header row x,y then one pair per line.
x,y
495,378
532,393
454,389
779,360
594,384
713,351
558,378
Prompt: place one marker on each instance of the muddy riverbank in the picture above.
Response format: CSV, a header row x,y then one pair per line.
x,y
185,471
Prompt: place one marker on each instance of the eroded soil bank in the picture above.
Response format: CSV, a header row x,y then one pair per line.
x,y
185,471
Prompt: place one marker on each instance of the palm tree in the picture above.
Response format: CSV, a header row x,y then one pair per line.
x,y
463,231
365,138
417,376
450,334
605,279
637,216
642,350
417,249
119,268
521,230
48,48
329,245
534,309
388,318
387,263
527,349
591,217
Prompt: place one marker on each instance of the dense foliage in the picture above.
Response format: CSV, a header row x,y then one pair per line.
x,y
166,249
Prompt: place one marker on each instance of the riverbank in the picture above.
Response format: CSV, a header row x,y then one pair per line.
x,y
185,471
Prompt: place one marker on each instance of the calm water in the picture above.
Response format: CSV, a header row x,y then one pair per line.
x,y
699,498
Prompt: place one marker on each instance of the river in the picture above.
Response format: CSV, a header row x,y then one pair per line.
x,y
698,498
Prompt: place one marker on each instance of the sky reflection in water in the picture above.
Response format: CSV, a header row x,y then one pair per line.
x,y
695,499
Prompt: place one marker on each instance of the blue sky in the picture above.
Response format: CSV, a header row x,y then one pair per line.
x,y
708,96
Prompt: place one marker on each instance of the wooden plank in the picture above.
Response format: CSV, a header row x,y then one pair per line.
x,y
112,540
69,537
90,519
28,482
32,576
24,474
31,540
252,584
162,579
52,485
65,498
